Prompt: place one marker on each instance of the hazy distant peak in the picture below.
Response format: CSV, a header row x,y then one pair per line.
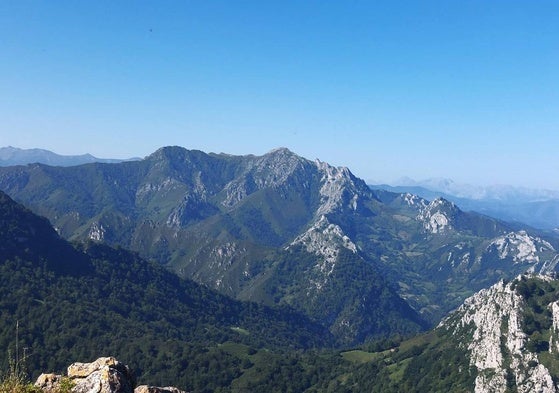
x,y
498,192
10,156
7,152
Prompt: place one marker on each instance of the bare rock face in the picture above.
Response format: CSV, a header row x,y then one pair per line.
x,y
155,389
83,370
49,382
498,344
104,375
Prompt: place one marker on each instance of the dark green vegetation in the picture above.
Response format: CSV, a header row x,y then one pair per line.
x,y
282,230
538,318
383,312
78,303
432,362
426,363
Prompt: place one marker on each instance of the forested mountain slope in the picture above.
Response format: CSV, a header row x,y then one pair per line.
x,y
84,301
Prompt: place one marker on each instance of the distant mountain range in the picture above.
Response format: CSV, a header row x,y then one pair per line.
x,y
14,156
537,208
505,193
282,230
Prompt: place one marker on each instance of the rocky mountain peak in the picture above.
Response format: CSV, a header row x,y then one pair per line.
x,y
340,189
414,200
521,247
166,151
281,152
438,216
325,240
275,167
174,155
442,204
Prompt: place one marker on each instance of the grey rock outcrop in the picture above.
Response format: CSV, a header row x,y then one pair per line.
x,y
156,389
49,382
497,344
104,375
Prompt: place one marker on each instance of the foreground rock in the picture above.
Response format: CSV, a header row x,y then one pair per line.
x,y
104,375
155,389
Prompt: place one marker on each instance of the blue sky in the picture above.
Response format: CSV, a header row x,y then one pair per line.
x,y
462,89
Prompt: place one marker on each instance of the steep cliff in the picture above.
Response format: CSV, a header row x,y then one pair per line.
x,y
507,330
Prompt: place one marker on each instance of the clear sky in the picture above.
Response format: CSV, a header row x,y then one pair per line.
x,y
462,89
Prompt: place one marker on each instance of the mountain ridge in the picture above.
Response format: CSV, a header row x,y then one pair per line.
x,y
281,229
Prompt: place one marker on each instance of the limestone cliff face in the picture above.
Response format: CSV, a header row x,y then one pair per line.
x,y
438,216
104,375
490,325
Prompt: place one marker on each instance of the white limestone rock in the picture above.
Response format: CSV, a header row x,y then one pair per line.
x,y
520,246
97,232
325,240
437,216
498,344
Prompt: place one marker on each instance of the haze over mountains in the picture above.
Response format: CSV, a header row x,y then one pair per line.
x,y
535,207
505,193
324,260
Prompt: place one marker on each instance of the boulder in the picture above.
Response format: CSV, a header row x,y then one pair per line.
x,y
104,375
49,382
